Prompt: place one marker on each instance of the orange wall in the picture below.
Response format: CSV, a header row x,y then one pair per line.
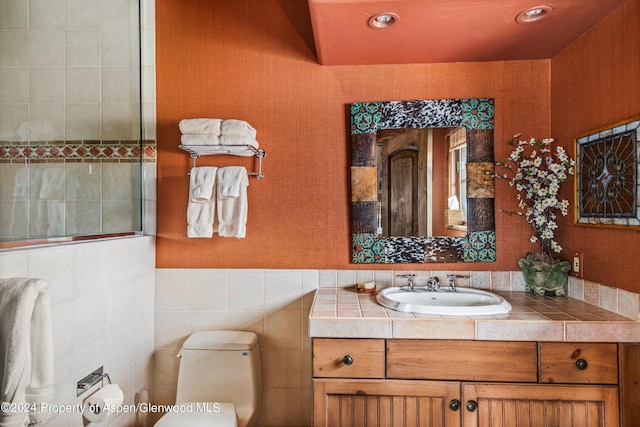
x,y
254,60
595,82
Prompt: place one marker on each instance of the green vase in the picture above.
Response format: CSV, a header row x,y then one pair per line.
x,y
542,277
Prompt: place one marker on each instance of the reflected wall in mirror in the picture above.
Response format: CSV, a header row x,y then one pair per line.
x,y
441,149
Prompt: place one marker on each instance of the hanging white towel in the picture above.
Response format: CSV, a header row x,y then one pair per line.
x,y
202,180
237,127
232,182
53,183
27,342
200,140
200,126
201,206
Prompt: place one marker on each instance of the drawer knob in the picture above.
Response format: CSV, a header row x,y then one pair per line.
x,y
582,364
454,405
471,405
347,360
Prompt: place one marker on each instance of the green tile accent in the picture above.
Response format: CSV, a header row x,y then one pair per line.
x,y
477,113
480,246
367,249
365,117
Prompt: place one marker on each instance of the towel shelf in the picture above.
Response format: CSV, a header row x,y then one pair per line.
x,y
195,151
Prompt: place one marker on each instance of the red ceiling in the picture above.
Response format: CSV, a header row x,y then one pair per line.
x,y
431,31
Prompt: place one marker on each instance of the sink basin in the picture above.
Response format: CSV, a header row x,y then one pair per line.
x,y
463,302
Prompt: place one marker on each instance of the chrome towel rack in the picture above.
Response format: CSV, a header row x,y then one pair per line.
x,y
195,151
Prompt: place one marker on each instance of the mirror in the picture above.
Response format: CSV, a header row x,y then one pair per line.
x,y
421,119
410,200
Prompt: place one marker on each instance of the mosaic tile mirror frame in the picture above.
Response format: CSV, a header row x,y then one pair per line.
x,y
607,170
476,115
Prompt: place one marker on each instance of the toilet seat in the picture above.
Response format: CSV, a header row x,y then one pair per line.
x,y
200,414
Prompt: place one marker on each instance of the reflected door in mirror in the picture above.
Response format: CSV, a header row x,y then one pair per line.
x,y
403,193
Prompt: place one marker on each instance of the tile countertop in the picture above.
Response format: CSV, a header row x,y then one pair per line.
x,y
343,313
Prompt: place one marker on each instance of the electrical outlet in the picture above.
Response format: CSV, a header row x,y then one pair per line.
x,y
578,265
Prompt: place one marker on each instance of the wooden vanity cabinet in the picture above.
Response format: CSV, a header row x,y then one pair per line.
x,y
449,383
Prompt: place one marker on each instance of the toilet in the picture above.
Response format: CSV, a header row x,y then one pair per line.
x,y
219,381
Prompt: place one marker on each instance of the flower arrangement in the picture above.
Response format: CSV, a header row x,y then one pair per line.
x,y
537,172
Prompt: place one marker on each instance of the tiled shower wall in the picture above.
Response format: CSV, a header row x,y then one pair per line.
x,y
70,116
69,70
275,304
102,298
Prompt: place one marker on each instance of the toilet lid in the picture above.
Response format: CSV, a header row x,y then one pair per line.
x,y
200,414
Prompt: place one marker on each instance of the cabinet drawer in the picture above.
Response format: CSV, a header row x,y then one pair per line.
x,y
348,358
579,363
462,360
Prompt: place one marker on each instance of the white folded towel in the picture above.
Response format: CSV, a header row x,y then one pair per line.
x,y
53,183
200,140
238,140
26,339
232,182
201,206
237,127
200,126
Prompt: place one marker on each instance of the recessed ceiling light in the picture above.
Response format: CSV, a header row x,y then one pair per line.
x,y
383,20
534,14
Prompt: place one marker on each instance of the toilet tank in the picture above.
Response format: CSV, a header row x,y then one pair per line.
x,y
221,366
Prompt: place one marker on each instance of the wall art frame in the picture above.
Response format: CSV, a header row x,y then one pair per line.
x,y
607,185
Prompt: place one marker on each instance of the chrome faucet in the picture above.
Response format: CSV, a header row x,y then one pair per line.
x,y
433,284
452,281
410,280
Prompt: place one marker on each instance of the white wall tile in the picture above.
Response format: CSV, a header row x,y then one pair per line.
x,y
14,85
209,321
82,14
209,290
55,265
89,318
46,48
120,344
82,122
82,85
14,264
46,14
172,328
283,290
246,290
119,305
90,267
14,15
82,48
14,46
62,324
173,289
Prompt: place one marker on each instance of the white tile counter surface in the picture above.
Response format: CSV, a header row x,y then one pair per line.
x,y
343,313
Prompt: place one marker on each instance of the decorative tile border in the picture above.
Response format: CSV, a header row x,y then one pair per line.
x,y
77,150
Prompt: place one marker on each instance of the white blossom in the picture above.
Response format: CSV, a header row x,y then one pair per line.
x,y
536,178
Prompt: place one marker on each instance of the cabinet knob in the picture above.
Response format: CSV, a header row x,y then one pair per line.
x,y
347,360
454,405
471,405
582,364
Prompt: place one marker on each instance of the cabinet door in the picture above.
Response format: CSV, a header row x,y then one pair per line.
x,y
346,403
509,405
